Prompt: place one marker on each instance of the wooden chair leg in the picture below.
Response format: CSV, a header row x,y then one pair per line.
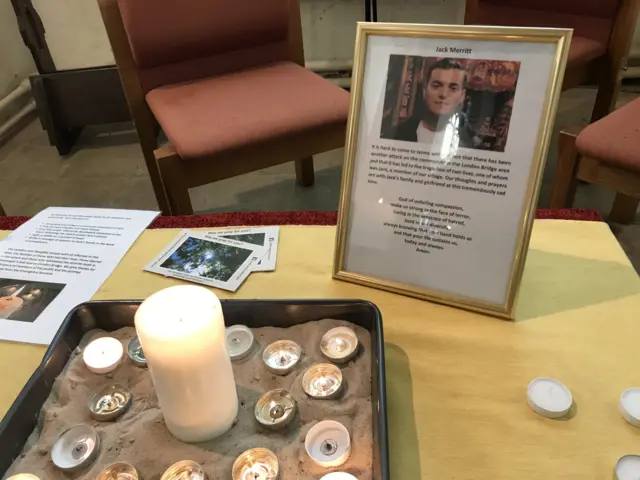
x,y
175,185
158,184
564,185
608,88
2,212
304,172
624,209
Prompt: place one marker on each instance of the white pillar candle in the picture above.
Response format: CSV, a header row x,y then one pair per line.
x,y
103,355
24,476
181,330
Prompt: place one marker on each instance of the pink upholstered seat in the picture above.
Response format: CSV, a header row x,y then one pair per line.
x,y
615,139
226,82
591,21
219,114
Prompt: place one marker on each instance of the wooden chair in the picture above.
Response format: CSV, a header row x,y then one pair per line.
x,y
2,212
606,153
227,84
603,32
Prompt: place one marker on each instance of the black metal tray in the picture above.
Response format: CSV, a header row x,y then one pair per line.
x,y
22,417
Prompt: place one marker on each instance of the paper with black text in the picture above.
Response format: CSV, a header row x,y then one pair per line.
x,y
57,260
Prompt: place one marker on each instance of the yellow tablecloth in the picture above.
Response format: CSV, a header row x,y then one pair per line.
x,y
456,380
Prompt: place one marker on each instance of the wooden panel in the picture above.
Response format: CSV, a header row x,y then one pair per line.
x,y
84,97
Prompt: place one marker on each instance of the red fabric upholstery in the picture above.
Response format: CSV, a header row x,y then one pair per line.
x,y
594,28
213,65
219,114
179,40
615,139
291,218
583,50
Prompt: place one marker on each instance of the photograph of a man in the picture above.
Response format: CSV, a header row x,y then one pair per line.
x,y
429,100
438,118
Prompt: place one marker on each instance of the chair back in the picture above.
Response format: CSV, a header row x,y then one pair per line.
x,y
605,9
592,19
174,41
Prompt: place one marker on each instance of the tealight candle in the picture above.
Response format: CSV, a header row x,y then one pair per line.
x,y
322,381
628,468
103,355
136,354
24,476
328,443
339,476
275,409
184,469
282,356
549,398
256,464
239,342
339,344
181,330
630,406
119,471
75,448
109,402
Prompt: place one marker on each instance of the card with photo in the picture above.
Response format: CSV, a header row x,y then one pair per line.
x,y
217,262
266,237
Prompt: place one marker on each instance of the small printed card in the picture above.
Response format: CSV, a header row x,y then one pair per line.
x,y
266,237
210,260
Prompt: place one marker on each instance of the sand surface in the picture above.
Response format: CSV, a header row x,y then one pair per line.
x,y
141,438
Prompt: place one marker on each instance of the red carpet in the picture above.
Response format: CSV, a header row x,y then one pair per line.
x,y
290,218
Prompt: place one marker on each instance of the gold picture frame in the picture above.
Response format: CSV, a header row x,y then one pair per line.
x,y
560,38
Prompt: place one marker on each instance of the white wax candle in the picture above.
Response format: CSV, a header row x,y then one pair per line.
x,y
338,476
23,476
103,355
630,406
328,443
628,468
549,397
181,330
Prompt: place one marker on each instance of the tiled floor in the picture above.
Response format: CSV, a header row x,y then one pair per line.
x,y
107,170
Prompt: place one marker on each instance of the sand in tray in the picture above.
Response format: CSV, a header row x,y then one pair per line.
x,y
141,438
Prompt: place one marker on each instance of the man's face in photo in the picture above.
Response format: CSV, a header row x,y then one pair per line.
x,y
445,92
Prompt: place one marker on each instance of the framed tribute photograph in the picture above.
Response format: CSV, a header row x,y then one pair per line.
x,y
446,144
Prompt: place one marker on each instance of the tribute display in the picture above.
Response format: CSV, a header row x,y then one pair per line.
x,y
446,143
193,399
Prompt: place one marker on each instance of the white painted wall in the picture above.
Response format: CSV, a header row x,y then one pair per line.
x,y
77,39
15,59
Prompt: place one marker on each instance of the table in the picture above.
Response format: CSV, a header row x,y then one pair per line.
x,y
457,380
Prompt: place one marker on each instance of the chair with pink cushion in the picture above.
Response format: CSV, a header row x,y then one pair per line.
x,y
603,32
226,82
606,153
